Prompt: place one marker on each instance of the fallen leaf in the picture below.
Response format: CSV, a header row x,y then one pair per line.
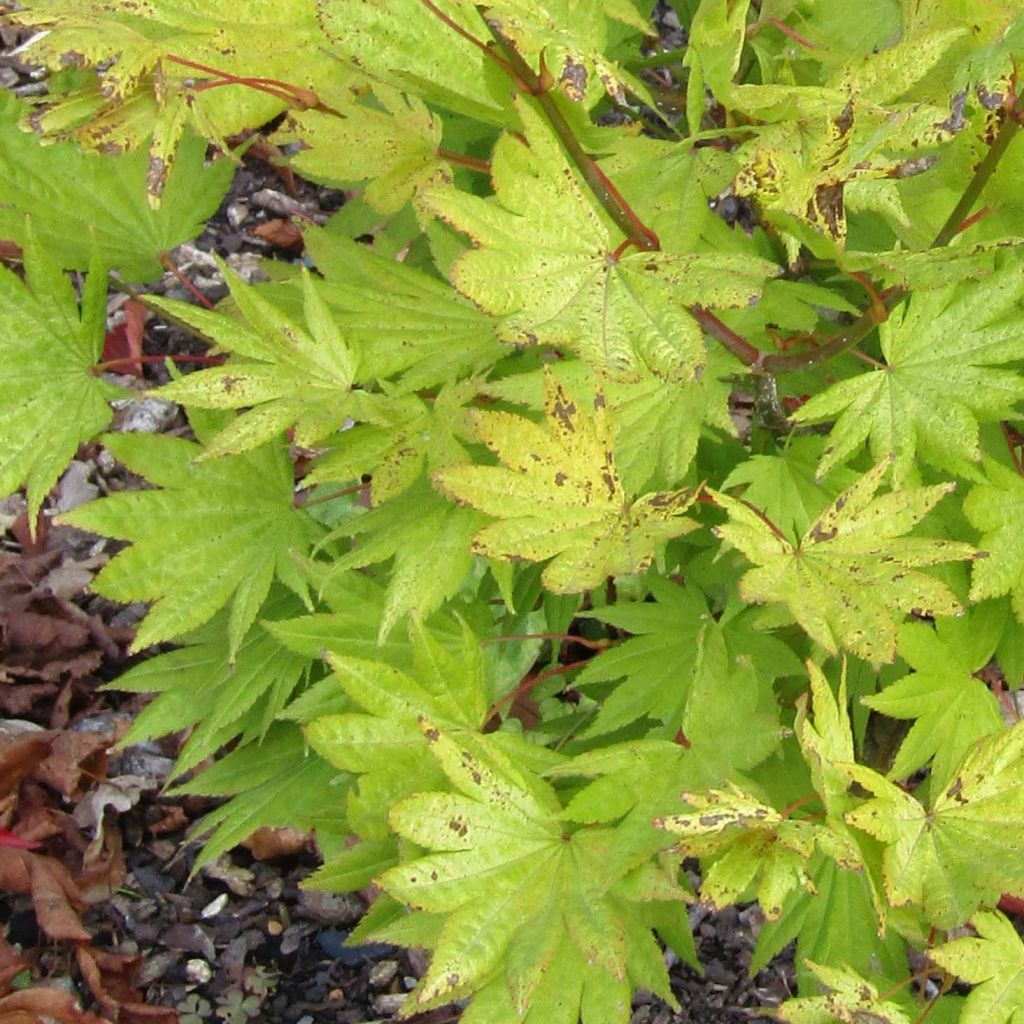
x,y
33,1005
266,843
55,897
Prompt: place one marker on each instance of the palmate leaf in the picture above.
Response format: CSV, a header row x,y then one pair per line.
x,y
994,963
853,574
382,742
952,708
656,423
543,264
201,685
752,842
100,205
937,382
214,534
404,321
429,540
965,849
678,650
48,346
392,145
276,782
558,496
283,374
510,881
853,1000
997,509
144,94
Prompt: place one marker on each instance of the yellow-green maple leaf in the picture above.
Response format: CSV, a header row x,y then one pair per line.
x,y
546,265
994,963
48,346
141,92
963,851
282,373
558,496
854,574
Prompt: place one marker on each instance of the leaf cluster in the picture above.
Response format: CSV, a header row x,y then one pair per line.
x,y
633,469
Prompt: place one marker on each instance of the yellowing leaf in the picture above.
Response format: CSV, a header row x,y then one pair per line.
x,y
994,963
392,146
997,509
853,1000
853,574
144,93
573,39
966,849
406,45
512,885
284,374
545,263
48,346
558,496
752,841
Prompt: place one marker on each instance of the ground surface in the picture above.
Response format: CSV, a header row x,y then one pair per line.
x,y
113,916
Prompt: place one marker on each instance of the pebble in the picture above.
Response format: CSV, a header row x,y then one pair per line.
x,y
214,907
389,1003
199,972
383,973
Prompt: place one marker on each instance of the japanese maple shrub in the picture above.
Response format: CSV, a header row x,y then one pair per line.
x,y
650,487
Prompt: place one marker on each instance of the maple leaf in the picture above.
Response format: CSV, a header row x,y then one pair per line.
x,y
429,540
965,849
994,963
221,696
783,485
391,145
283,375
100,207
952,708
511,883
404,44
543,263
853,1000
937,382
752,841
275,782
573,39
678,649
560,497
656,423
143,95
997,508
48,347
853,572
215,533
382,742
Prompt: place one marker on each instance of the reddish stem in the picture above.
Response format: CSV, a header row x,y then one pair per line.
x,y
293,94
527,685
462,160
757,26
167,264
594,645
478,43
